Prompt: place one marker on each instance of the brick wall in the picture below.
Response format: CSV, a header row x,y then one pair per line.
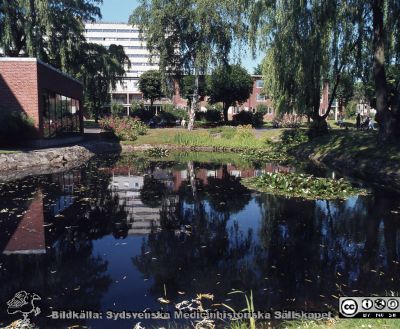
x,y
22,82
53,80
18,88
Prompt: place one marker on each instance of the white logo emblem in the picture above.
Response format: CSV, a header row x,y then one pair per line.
x,y
348,307
24,302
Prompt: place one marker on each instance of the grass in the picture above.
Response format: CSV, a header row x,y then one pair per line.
x,y
7,152
221,137
343,324
358,144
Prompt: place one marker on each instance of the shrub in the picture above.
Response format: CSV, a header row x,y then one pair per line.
x,y
126,129
213,115
170,113
243,118
287,121
249,118
290,137
16,128
262,108
138,110
117,110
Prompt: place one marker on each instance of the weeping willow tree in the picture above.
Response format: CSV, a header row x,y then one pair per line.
x,y
51,30
308,41
188,35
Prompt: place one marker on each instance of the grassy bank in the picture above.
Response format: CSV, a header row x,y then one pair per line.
x,y
361,144
7,152
222,137
344,324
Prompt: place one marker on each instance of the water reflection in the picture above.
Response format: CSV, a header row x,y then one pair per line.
x,y
116,234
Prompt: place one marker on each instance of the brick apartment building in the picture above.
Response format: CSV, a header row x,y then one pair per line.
x,y
50,97
256,98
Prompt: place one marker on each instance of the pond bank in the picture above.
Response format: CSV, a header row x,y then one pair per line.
x,y
355,154
51,160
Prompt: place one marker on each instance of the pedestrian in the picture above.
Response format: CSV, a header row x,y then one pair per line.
x,y
358,121
371,124
183,123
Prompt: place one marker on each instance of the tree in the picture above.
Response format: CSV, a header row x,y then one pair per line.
x,y
230,85
187,35
187,86
100,69
306,42
150,85
345,91
309,41
257,70
51,30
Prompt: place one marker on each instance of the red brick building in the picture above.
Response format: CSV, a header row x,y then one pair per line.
x,y
256,98
50,97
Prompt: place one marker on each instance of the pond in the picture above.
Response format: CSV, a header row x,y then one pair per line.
x,y
131,234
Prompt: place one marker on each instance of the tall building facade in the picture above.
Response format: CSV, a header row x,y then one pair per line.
x,y
128,37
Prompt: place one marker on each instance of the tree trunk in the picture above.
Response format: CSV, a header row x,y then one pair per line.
x,y
226,108
195,101
384,116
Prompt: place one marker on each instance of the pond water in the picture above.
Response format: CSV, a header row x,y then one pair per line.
x,y
120,233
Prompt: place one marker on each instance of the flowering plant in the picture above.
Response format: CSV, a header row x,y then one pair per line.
x,y
126,128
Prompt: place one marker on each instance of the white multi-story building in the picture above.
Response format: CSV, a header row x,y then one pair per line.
x,y
127,36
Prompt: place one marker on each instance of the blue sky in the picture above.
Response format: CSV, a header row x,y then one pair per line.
x,y
119,11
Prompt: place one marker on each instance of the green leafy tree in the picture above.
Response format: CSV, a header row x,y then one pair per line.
x,y
100,69
229,85
187,86
307,42
345,91
257,69
151,86
187,35
51,30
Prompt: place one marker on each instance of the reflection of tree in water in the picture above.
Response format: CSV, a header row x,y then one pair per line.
x,y
68,276
152,192
313,250
227,194
195,251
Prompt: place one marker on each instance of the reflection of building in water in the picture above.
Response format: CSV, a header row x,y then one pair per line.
x,y
140,218
204,174
67,182
29,236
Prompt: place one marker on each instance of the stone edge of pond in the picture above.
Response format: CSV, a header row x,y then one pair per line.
x,y
36,162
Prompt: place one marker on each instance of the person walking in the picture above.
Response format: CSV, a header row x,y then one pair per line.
x,y
358,121
371,124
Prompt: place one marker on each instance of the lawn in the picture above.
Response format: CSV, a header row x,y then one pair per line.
x,y
228,137
344,324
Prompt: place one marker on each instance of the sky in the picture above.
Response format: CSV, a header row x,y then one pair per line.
x,y
120,10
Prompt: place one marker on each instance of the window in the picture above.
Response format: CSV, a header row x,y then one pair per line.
x,y
119,98
60,114
260,97
260,83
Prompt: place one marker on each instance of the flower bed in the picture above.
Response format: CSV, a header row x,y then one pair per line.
x,y
126,128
